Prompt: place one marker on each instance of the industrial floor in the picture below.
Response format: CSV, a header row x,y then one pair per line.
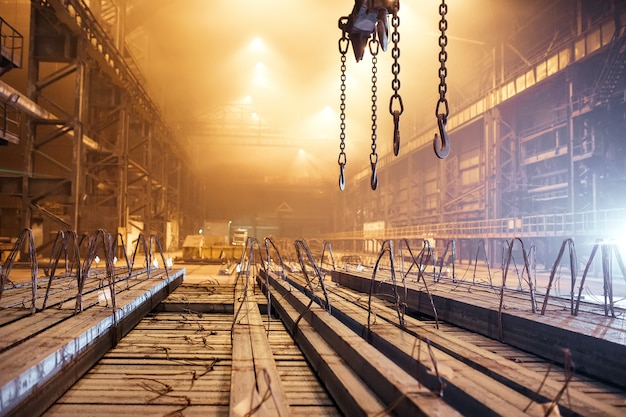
x,y
209,347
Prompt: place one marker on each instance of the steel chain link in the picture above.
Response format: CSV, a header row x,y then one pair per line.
x,y
443,58
341,160
442,110
374,46
395,83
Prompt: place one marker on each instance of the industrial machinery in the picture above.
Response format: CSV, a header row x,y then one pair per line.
x,y
239,237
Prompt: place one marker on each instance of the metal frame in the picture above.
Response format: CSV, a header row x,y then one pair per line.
x,y
124,164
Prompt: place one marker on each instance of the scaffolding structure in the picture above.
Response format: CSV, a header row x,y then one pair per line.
x,y
97,151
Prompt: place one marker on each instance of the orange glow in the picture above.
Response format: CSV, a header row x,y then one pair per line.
x,y
257,45
261,80
285,62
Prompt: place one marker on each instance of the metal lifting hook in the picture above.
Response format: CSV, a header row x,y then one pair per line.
x,y
374,164
374,179
342,168
442,150
395,83
396,133
396,113
342,178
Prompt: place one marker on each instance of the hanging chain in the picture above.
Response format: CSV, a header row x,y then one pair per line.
x,y
374,46
442,109
443,58
344,42
395,83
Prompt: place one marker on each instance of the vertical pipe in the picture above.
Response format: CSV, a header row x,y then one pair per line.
x,y
146,132
80,101
31,128
486,162
178,189
122,146
491,169
165,205
570,125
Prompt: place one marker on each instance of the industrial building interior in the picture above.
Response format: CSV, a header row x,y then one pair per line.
x,y
285,172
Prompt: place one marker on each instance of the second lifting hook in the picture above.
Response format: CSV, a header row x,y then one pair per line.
x,y
374,179
342,178
396,113
396,132
441,150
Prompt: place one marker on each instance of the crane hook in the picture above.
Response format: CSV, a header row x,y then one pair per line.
x,y
342,178
396,132
374,179
442,150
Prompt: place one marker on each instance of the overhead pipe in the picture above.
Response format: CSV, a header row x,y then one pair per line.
x,y
22,103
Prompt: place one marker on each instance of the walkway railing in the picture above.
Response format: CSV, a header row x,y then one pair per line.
x,y
601,223
11,46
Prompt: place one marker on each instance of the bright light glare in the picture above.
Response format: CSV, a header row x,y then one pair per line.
x,y
328,111
301,158
261,80
324,122
257,45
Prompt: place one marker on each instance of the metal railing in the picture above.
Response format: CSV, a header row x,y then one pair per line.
x,y
11,45
599,223
10,123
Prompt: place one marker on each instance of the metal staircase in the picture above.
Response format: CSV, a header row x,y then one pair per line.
x,y
11,47
613,69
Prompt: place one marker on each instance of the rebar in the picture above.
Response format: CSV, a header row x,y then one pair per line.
x,y
505,246
326,244
420,274
302,251
451,245
569,243
607,250
65,244
157,242
10,261
268,241
504,274
244,274
481,244
386,247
